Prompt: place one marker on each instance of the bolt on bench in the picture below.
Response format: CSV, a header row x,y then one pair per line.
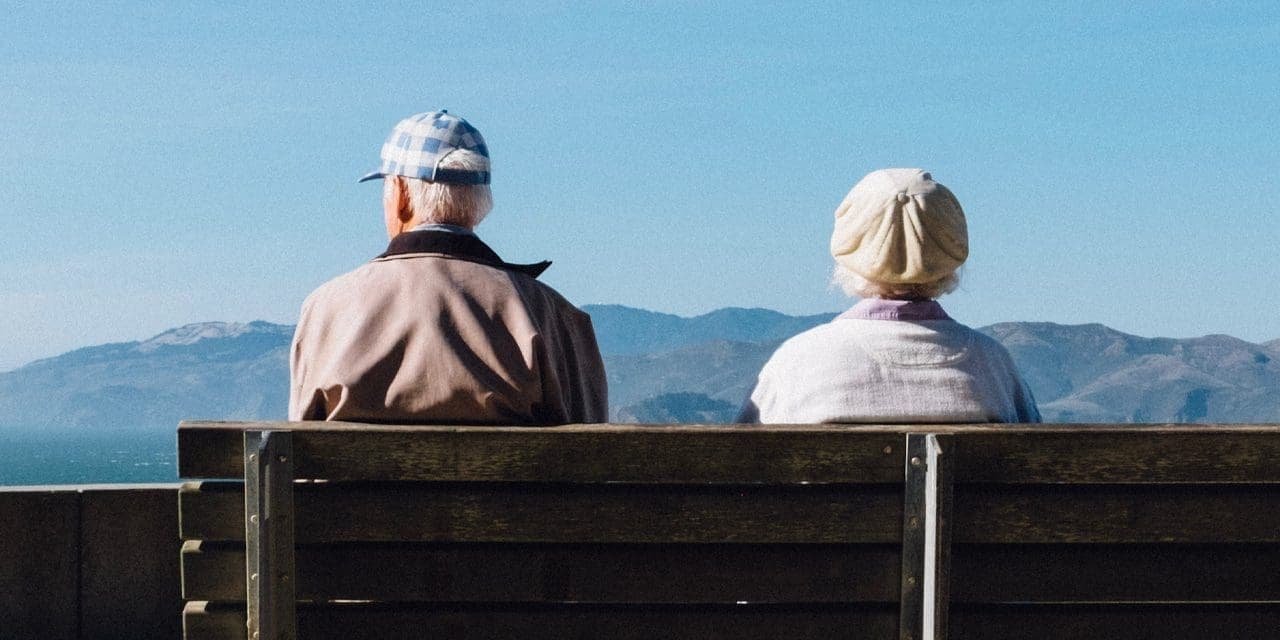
x,y
333,530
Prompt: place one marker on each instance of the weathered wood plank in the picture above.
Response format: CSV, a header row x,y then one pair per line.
x,y
1120,457
670,455
782,453
213,571
39,574
1115,622
206,511
129,564
570,622
502,512
1116,513
1120,573
943,429
213,621
564,573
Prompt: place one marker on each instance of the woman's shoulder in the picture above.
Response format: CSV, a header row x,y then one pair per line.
x,y
820,335
983,341
833,340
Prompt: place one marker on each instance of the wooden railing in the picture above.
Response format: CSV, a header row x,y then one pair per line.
x,y
89,562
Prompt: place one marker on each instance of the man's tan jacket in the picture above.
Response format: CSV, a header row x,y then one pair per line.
x,y
440,330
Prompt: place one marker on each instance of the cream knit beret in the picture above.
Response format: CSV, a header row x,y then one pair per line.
x,y
898,226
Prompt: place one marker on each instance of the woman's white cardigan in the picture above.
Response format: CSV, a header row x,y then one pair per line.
x,y
871,365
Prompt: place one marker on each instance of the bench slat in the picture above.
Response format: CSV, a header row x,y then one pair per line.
x,y
773,453
1114,622
559,454
491,512
210,621
1116,513
1119,457
1117,573
565,622
564,573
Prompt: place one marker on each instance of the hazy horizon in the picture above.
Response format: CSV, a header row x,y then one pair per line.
x,y
140,339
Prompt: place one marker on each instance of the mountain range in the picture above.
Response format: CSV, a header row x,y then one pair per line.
x,y
661,368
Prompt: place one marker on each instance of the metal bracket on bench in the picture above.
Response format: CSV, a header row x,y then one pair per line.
x,y
268,535
926,539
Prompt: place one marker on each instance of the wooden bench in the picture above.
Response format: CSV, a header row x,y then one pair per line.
x,y
966,531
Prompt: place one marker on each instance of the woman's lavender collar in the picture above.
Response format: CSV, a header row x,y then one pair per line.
x,y
908,310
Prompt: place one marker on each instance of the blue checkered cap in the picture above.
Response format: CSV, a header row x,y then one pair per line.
x,y
419,143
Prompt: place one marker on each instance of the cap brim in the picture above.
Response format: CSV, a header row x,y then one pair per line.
x,y
372,176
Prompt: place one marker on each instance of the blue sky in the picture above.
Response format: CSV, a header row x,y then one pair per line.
x,y
169,164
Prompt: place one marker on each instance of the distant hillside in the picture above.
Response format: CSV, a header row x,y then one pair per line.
x,y
1090,373
626,331
720,370
679,408
661,368
213,369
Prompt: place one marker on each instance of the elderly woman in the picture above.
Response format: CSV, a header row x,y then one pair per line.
x,y
895,356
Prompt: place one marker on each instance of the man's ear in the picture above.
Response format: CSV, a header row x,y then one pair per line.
x,y
397,195
400,192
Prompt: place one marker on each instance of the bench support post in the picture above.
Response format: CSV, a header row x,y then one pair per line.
x,y
926,538
269,525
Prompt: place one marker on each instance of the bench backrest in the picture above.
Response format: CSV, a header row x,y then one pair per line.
x,y
570,532
824,531
1116,531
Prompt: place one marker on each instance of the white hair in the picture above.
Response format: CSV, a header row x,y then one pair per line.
x,y
858,286
447,203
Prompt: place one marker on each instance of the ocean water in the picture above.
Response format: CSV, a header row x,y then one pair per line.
x,y
32,457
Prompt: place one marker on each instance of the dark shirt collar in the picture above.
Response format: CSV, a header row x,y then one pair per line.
x,y
447,228
459,246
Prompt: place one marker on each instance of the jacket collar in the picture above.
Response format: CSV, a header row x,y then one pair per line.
x,y
459,246
908,310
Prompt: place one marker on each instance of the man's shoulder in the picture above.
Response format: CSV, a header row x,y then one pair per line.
x,y
394,269
440,275
543,299
369,284
340,284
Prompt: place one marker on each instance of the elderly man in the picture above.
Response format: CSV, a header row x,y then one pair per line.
x,y
439,329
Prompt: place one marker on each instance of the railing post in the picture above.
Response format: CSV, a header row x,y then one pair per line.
x,y
926,539
268,529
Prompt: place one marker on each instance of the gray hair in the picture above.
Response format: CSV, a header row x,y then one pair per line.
x,y
447,203
858,286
